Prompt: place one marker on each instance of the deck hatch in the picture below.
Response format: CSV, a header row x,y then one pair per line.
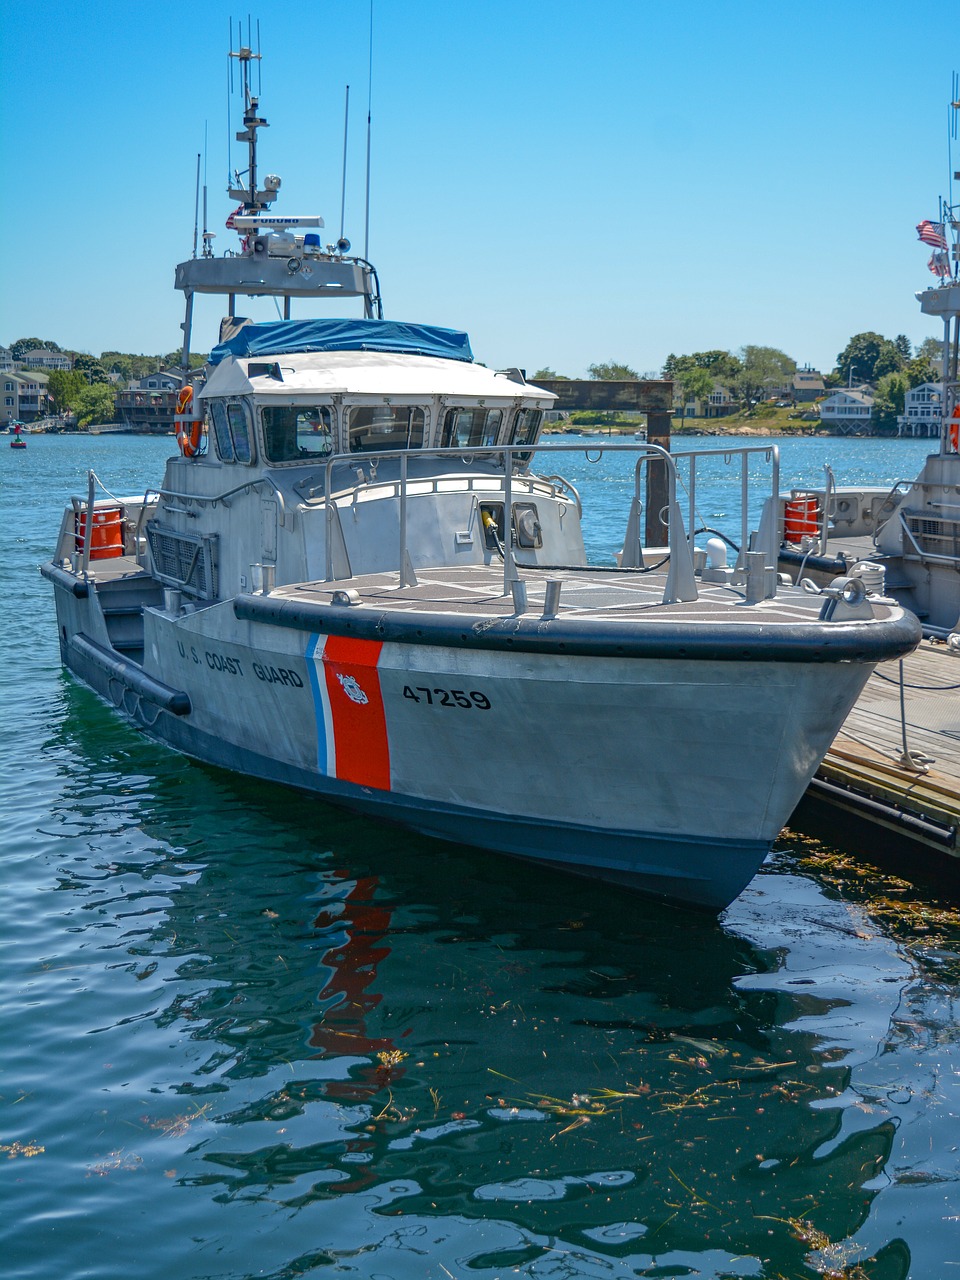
x,y
184,560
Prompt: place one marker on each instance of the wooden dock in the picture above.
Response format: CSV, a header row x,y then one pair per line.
x,y
873,795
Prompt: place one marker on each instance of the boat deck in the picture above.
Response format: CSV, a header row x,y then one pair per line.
x,y
588,594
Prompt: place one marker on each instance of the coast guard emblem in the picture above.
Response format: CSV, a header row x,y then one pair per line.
x,y
352,689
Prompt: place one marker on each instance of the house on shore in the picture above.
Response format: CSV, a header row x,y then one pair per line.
x,y
807,385
149,405
44,358
25,396
848,411
718,404
922,411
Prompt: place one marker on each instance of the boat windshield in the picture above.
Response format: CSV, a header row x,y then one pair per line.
x,y
292,432
471,427
383,426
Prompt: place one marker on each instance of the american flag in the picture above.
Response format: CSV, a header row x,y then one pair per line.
x,y
239,209
939,264
932,233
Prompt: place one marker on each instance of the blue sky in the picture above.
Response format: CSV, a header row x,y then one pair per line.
x,y
569,182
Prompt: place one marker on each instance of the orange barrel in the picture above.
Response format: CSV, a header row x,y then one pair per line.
x,y
106,536
801,518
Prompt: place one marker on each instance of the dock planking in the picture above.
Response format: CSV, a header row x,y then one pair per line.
x,y
871,776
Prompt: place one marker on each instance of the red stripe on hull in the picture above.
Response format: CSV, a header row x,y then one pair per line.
x,y
359,721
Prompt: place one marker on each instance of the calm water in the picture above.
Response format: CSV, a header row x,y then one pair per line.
x,y
245,1035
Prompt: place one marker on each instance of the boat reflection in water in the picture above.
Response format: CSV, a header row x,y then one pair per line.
x,y
388,1059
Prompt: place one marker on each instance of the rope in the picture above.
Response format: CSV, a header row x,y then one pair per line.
x,y
931,688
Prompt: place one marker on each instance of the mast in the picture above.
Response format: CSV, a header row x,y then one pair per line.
x,y
253,201
278,256
943,298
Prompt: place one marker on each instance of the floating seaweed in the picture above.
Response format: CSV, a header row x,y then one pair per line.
x,y
27,1149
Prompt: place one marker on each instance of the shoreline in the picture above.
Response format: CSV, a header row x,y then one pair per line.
x,y
807,429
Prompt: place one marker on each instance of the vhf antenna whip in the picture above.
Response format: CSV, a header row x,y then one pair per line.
x,y
366,221
196,208
343,184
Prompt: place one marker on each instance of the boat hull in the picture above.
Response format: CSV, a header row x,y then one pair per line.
x,y
671,776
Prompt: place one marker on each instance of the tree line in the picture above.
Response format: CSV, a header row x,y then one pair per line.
x,y
88,388
891,367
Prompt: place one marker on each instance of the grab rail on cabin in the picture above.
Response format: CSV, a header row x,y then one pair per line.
x,y
680,583
214,498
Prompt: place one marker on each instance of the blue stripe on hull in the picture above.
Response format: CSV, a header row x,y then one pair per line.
x,y
314,676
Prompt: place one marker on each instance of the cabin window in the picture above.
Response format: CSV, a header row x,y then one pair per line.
x,y
221,431
385,426
471,428
239,425
525,426
292,432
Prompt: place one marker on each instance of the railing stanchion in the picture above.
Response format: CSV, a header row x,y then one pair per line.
x,y
404,576
744,512
328,498
692,515
775,531
88,527
510,574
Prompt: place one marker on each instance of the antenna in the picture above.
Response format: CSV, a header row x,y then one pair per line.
x,y
196,208
343,184
229,99
366,219
953,115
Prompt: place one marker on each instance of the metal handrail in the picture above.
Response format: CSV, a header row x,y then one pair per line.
x,y
213,499
680,584
924,556
93,480
771,454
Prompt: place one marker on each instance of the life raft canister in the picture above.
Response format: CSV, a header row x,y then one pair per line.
x,y
106,532
189,427
801,518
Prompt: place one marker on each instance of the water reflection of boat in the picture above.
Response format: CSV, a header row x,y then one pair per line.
x,y
563,1070
557,1082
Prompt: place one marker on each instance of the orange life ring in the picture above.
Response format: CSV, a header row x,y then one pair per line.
x,y
189,429
955,430
189,435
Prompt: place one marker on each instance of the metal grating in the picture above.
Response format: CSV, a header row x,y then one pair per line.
x,y
936,536
184,560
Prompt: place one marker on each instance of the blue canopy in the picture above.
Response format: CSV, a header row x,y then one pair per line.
x,y
278,337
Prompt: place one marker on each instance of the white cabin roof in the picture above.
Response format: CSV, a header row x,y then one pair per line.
x,y
368,373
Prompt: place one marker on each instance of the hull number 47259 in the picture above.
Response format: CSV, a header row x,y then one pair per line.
x,y
448,697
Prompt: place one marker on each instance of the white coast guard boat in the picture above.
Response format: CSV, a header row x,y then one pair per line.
x,y
352,581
